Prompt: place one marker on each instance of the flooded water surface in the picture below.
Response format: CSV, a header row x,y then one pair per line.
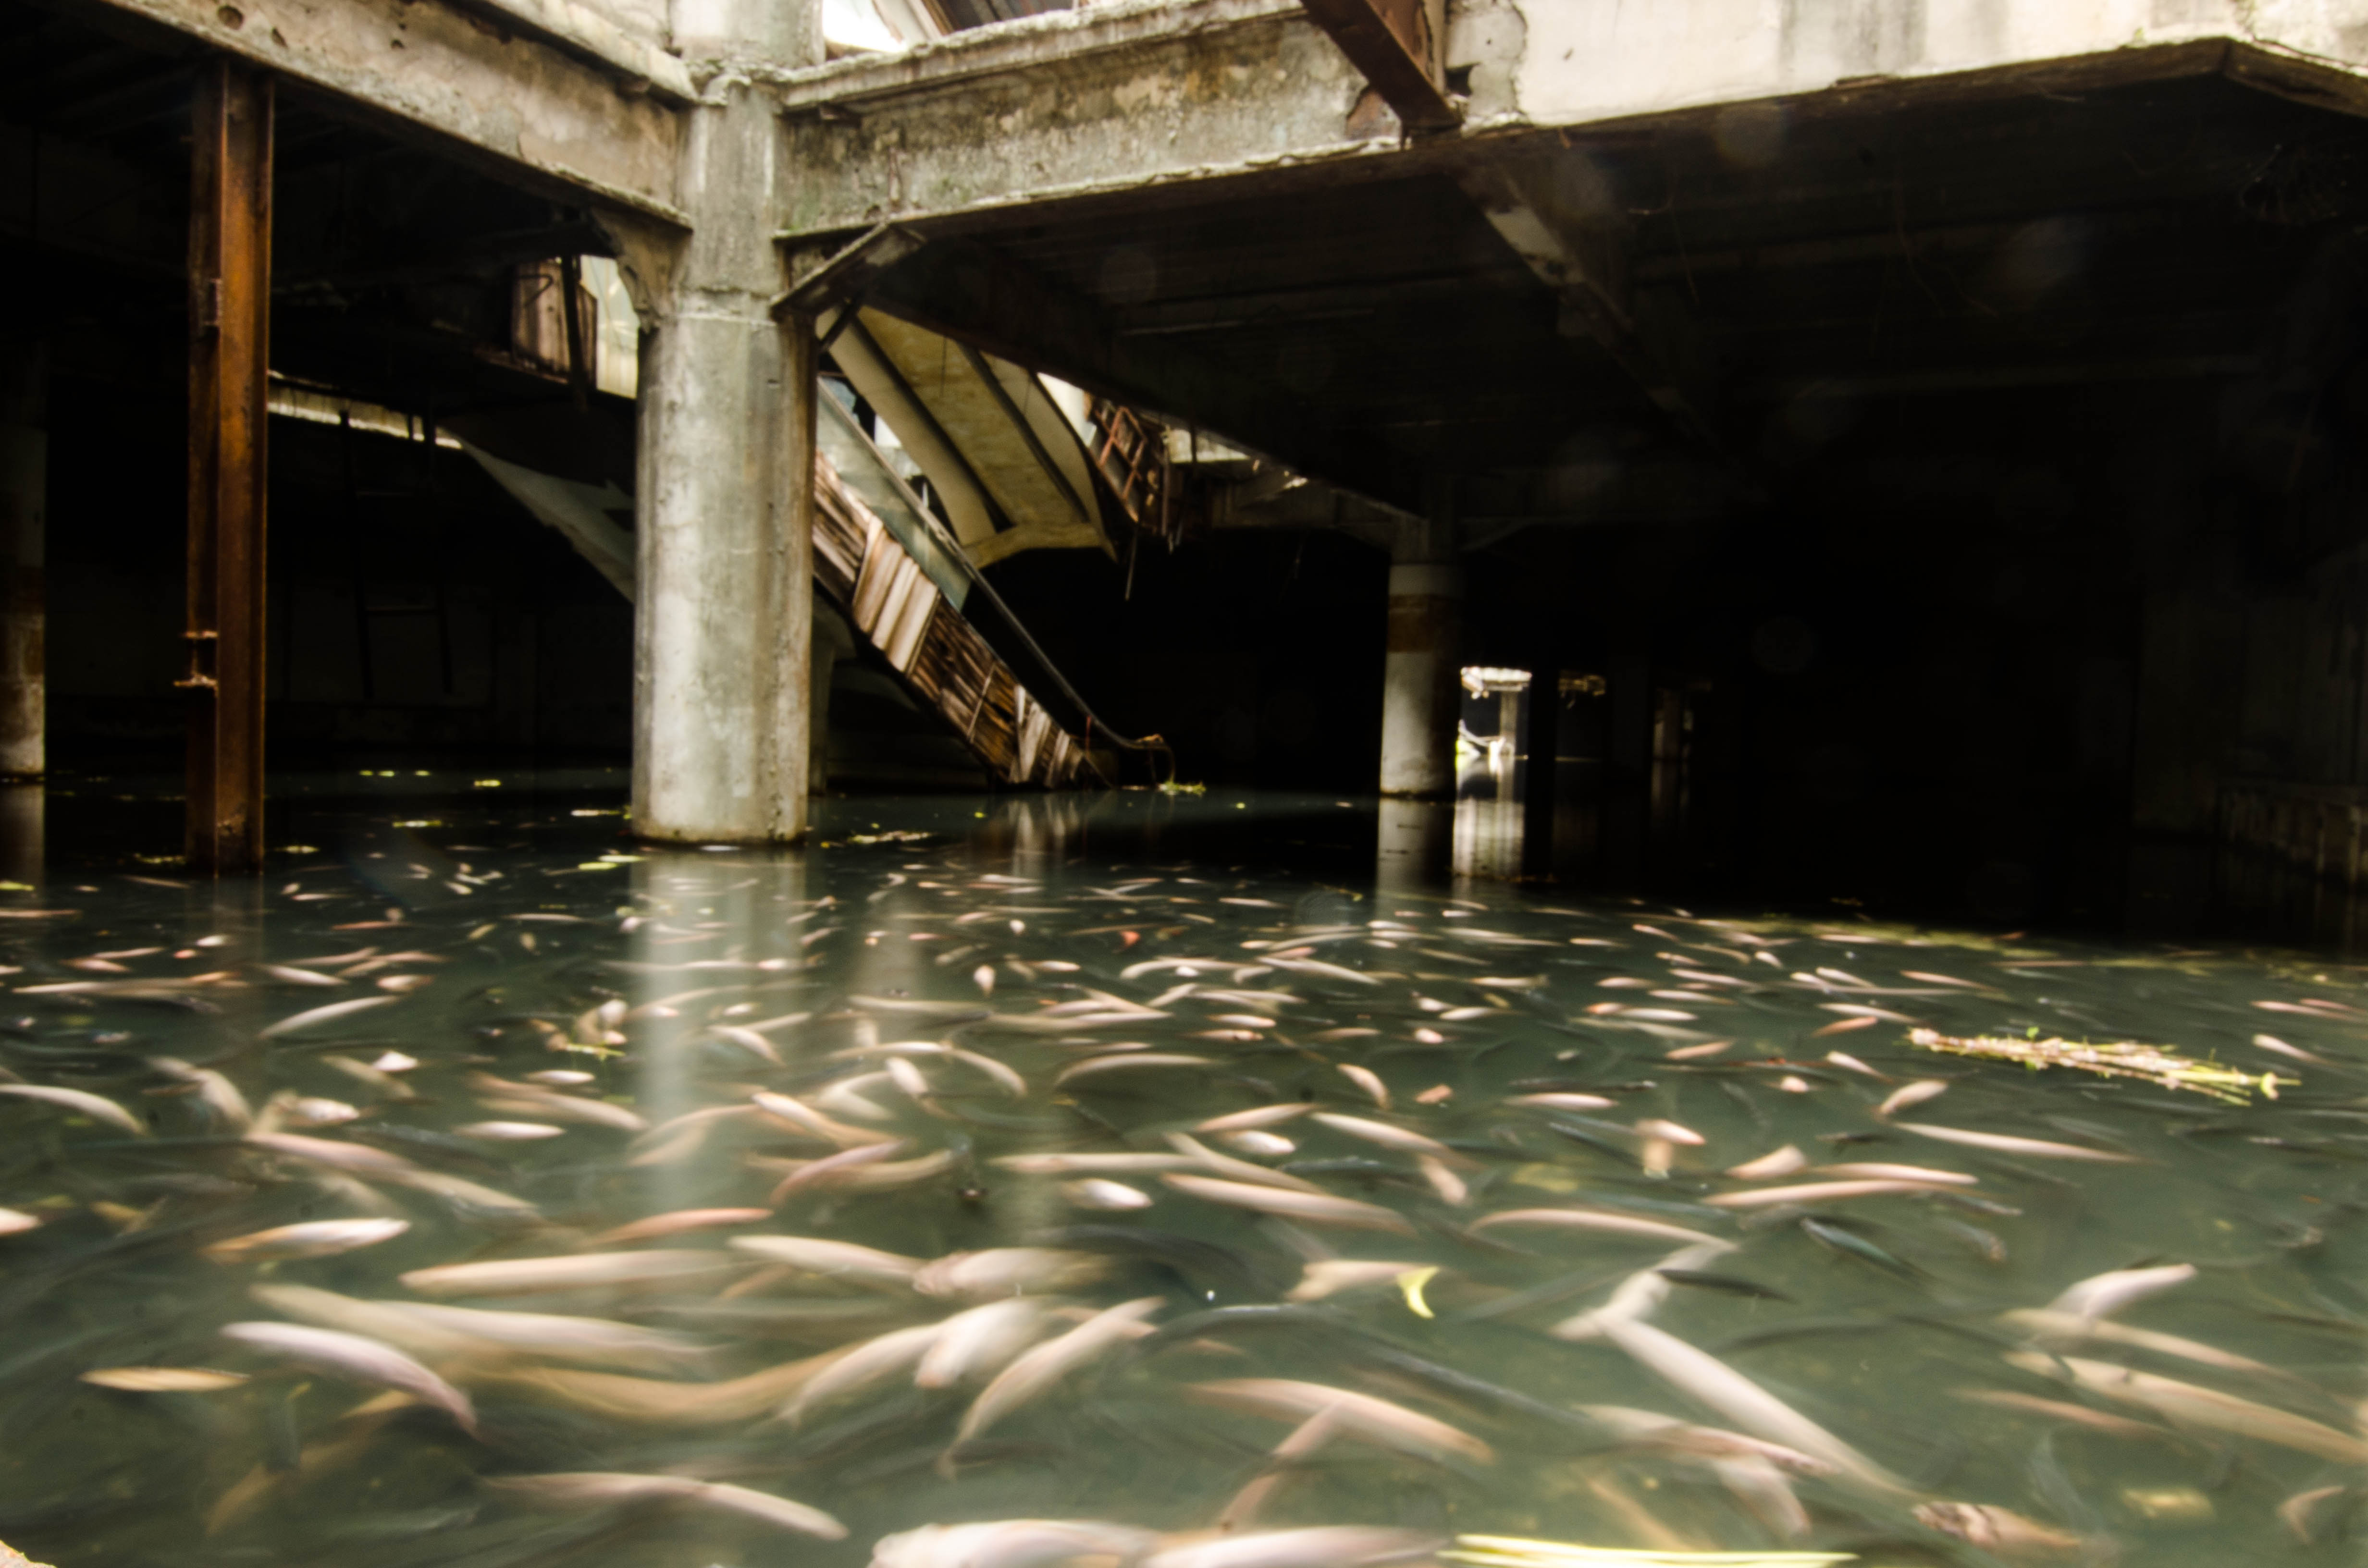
x,y
1006,1182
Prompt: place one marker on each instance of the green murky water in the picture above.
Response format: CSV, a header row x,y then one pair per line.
x,y
554,1035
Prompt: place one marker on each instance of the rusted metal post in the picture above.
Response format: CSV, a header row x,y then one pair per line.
x,y
229,303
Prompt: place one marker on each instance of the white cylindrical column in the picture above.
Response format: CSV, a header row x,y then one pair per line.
x,y
1419,699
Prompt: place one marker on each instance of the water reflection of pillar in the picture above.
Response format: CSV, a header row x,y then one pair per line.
x,y
20,833
713,909
1412,852
24,497
1539,790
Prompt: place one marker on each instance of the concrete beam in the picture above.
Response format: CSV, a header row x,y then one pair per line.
x,y
1128,99
1110,97
523,106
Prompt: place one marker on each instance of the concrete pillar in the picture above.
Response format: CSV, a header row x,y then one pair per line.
x,y
725,485
833,639
1540,790
24,502
1420,691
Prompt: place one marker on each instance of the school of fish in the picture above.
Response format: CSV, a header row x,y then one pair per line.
x,y
934,1209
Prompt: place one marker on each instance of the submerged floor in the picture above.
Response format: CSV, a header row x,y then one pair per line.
x,y
1438,1188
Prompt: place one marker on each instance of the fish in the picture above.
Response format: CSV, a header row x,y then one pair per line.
x,y
1128,1060
1094,1164
312,1238
830,1170
1315,1207
99,1108
1872,1171
1009,1271
1564,1101
215,1092
972,1344
15,1221
509,1132
437,1332
1039,1369
2052,1328
2057,1410
289,975
1324,1278
800,1117
1254,1141
1782,1163
528,1276
1096,1192
2186,1404
1225,1165
1009,1543
162,1379
328,1014
837,1259
2006,1143
1730,1283
1376,1421
1816,1192
357,1158
1383,1134
501,1094
1317,1546
344,1354
600,1489
1909,1095
678,1221
1843,1240
1718,1387
1260,1117
1993,1528
873,1361
1604,1221
1368,1080
2102,1295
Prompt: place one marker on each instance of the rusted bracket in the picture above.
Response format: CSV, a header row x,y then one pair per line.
x,y
1396,44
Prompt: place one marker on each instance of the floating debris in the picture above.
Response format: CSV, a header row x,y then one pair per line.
x,y
2114,1059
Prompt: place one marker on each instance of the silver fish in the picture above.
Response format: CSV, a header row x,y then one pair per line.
x,y
1717,1386
313,1238
1320,1546
1315,1207
2006,1143
2102,1295
2185,1404
351,1356
435,1331
527,1275
1037,1372
328,1014
873,1361
598,1489
1009,1543
99,1108
816,1255
1376,1421
1598,1219
981,1341
1009,1271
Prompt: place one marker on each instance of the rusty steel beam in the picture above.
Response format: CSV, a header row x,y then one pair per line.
x,y
1395,45
230,301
